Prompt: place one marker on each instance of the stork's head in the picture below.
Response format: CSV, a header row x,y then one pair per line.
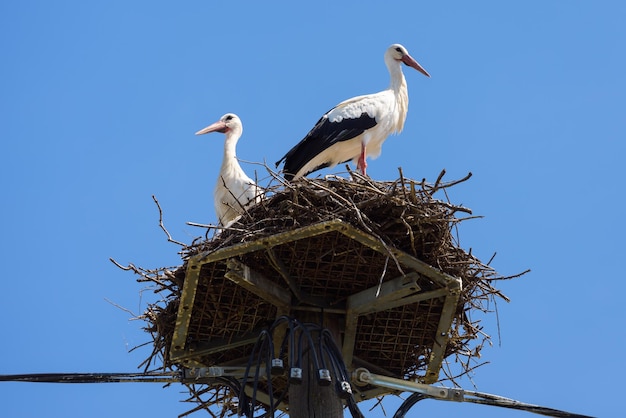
x,y
227,123
399,53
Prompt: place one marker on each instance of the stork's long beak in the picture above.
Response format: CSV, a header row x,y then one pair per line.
x,y
216,127
408,60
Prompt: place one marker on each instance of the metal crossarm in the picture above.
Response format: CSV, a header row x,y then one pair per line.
x,y
363,375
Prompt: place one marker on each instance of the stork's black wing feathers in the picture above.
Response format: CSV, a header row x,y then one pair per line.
x,y
323,135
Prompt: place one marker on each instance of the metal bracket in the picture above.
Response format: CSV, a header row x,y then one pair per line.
x,y
362,375
213,371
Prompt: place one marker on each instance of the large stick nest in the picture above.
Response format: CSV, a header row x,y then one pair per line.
x,y
402,214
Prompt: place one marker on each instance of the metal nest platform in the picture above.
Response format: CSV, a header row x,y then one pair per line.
x,y
378,257
330,266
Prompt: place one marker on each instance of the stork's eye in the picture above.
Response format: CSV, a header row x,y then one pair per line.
x,y
398,49
229,117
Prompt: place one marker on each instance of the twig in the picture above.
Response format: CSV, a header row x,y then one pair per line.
x,y
410,232
169,237
455,182
212,226
126,268
495,303
382,276
402,183
122,308
514,276
436,185
455,208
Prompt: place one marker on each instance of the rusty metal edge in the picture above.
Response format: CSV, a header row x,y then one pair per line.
x,y
443,331
185,308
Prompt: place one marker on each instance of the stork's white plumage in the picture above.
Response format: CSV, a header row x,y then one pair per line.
x,y
234,190
356,128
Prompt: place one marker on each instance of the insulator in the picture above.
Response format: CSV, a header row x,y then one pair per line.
x,y
324,377
277,367
346,390
295,375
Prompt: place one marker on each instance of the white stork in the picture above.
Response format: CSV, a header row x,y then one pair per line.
x,y
234,190
356,128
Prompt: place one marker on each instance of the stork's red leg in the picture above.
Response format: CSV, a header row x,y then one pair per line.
x,y
361,163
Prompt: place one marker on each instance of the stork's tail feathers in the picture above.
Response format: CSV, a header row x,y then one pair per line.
x,y
287,175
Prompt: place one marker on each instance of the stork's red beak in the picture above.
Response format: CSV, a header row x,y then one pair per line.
x,y
408,60
216,127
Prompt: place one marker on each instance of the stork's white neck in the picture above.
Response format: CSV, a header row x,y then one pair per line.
x,y
398,81
230,145
400,91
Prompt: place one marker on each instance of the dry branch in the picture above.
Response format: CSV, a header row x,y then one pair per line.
x,y
169,237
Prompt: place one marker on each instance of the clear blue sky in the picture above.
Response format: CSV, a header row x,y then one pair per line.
x,y
99,103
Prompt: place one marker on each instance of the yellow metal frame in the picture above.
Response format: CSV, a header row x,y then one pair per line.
x,y
392,293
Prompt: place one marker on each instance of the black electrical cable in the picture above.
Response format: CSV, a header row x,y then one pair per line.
x,y
334,361
266,340
268,371
288,335
304,331
536,409
292,342
320,338
338,362
231,382
243,398
354,409
492,400
255,382
280,398
408,404
335,354
166,377
263,351
317,358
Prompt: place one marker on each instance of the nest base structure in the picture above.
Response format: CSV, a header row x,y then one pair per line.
x,y
373,263
332,267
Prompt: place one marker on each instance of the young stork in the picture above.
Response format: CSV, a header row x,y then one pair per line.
x,y
234,190
356,128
